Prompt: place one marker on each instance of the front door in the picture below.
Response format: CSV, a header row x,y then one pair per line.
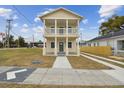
x,y
61,46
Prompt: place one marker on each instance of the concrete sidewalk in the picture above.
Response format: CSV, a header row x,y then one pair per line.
x,y
61,62
107,59
64,76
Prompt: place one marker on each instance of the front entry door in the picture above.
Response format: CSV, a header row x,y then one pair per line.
x,y
61,46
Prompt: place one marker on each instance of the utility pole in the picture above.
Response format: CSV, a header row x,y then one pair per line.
x,y
81,36
8,29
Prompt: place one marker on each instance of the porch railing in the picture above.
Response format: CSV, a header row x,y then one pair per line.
x,y
61,31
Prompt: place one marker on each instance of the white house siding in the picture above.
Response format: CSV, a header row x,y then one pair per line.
x,y
114,43
74,48
48,46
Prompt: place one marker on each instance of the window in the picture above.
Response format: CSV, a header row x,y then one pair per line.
x,y
52,45
69,44
97,43
123,44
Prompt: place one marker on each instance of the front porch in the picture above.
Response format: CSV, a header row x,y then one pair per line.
x,y
61,46
61,54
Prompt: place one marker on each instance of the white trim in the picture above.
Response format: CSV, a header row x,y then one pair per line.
x,y
55,26
63,18
67,26
62,9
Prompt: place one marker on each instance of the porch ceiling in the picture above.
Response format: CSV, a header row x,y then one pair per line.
x,y
60,22
61,38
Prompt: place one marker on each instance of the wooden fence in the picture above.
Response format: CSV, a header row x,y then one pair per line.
x,y
97,50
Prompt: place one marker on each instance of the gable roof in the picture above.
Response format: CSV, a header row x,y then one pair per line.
x,y
61,8
119,33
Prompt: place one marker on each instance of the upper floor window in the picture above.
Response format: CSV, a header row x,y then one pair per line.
x,y
52,45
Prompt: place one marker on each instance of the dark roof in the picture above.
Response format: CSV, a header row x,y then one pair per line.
x,y
119,33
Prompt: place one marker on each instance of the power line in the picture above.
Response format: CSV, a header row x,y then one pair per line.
x,y
30,22
22,14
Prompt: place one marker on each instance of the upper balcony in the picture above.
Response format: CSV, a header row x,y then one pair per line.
x,y
61,32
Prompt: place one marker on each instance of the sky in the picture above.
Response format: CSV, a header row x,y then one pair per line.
x,y
26,22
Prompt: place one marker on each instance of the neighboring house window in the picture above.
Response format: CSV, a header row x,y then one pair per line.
x,y
52,45
97,43
122,45
69,44
94,44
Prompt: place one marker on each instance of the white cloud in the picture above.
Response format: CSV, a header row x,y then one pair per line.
x,y
5,12
108,10
38,29
36,19
85,21
81,29
101,20
15,17
47,10
25,28
15,25
93,28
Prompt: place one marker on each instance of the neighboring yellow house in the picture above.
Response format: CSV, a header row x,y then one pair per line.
x,y
61,34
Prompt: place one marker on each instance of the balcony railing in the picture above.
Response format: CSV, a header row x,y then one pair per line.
x,y
61,31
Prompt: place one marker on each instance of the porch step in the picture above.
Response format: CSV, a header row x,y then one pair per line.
x,y
61,54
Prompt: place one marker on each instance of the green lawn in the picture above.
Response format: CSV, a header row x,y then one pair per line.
x,y
24,58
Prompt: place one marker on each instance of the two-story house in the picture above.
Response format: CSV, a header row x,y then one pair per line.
x,y
61,32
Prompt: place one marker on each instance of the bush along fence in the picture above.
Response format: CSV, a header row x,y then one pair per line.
x,y
97,50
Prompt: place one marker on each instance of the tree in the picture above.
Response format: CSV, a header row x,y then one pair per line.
x,y
1,44
114,24
20,41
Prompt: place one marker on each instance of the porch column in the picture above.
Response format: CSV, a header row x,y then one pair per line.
x,y
55,26
66,46
55,51
44,41
78,47
66,26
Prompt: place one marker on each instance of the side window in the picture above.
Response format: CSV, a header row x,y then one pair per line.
x,y
52,45
69,44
